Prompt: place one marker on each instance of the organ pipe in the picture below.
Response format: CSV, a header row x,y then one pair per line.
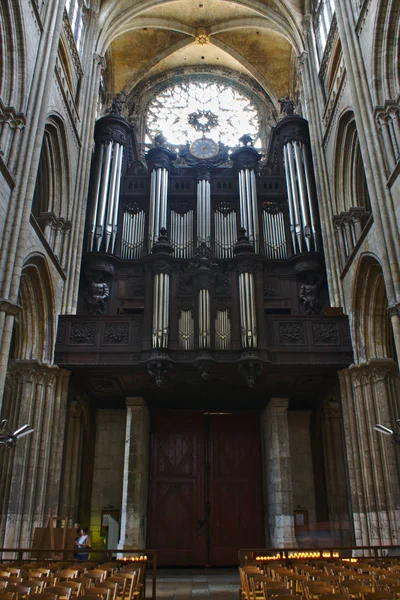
x,y
161,310
158,204
247,301
248,205
274,235
182,234
186,330
203,212
222,330
301,198
204,319
225,234
132,235
103,217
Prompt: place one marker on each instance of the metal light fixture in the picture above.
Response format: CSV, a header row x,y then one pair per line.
x,y
8,437
395,435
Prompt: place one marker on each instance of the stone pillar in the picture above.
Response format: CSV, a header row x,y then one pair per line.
x,y
72,463
30,475
278,501
335,474
369,396
136,475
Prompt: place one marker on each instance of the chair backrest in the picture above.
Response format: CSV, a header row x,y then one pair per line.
x,y
101,592
59,590
7,596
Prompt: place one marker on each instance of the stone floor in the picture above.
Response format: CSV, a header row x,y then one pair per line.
x,y
196,584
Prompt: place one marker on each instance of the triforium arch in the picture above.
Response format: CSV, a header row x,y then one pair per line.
x,y
386,61
51,202
351,197
372,328
36,393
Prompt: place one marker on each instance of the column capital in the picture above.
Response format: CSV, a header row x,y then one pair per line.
x,y
282,403
131,401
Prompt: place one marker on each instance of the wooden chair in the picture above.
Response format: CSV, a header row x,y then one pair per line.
x,y
75,586
42,596
100,592
7,596
61,591
380,595
21,591
357,591
97,575
66,574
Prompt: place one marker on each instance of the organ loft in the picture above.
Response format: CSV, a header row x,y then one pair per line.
x,y
199,274
203,288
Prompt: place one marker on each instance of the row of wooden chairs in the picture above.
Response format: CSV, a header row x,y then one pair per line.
x,y
360,581
60,581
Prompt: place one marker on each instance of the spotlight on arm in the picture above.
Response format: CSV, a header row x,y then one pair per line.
x,y
8,437
395,435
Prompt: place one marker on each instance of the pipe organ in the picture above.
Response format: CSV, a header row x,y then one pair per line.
x,y
105,185
196,241
301,197
203,212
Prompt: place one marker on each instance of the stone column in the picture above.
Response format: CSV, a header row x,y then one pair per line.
x,y
30,475
369,396
72,463
136,475
278,500
335,474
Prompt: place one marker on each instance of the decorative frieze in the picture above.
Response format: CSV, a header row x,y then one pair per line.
x,y
325,333
116,333
291,333
82,333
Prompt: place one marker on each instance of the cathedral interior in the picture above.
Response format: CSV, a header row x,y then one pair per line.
x,y
199,273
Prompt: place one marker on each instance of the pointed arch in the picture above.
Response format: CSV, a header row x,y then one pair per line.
x,y
12,55
35,330
372,331
386,52
52,198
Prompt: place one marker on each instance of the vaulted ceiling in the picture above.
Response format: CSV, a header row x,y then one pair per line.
x,y
259,38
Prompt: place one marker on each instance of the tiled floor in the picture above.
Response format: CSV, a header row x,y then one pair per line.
x,y
197,584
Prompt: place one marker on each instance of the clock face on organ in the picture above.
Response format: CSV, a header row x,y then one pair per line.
x,y
204,148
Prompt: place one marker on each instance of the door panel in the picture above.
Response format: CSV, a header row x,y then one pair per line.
x,y
176,500
236,514
205,487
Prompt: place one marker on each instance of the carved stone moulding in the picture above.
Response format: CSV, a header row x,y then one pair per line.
x,y
204,362
250,365
245,158
112,128
307,262
158,366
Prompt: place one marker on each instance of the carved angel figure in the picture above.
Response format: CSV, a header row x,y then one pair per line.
x,y
97,293
310,295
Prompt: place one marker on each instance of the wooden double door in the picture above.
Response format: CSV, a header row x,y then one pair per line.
x,y
205,496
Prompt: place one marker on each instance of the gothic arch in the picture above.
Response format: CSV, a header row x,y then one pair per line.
x,y
12,56
386,58
35,330
51,203
372,333
350,182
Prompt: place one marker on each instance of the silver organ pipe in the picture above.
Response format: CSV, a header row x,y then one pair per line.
x,y
248,320
158,204
311,197
301,198
225,233
96,190
182,234
102,198
161,310
248,205
222,330
274,235
204,319
116,201
295,197
203,212
186,330
132,234
304,210
104,212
